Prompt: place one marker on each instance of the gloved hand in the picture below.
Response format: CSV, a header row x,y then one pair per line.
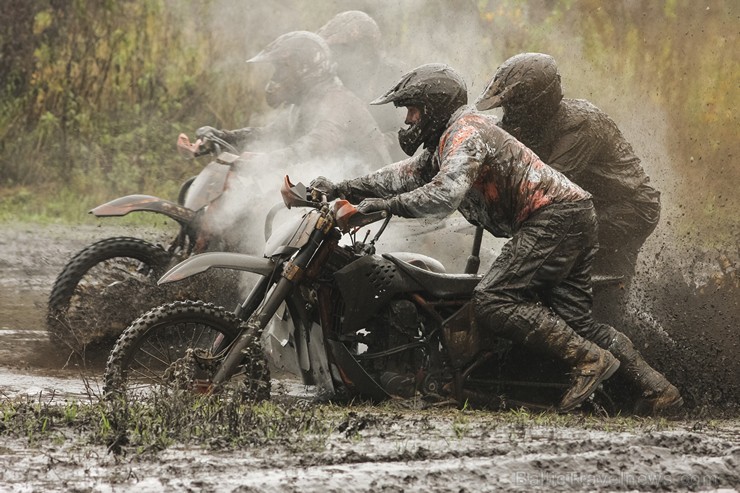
x,y
373,205
325,186
206,132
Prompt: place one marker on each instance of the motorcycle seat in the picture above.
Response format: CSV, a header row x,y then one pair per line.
x,y
439,285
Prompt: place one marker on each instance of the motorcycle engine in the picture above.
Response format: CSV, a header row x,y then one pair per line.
x,y
404,318
398,324
394,335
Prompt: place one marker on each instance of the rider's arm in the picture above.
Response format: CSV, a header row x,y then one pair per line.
x,y
262,138
325,132
461,153
242,137
324,140
388,181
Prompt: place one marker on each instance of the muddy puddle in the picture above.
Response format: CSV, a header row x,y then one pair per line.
x,y
383,448
31,257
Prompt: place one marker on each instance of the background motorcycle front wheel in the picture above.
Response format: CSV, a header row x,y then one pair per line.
x,y
179,346
102,289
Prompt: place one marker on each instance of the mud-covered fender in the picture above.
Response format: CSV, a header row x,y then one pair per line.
x,y
144,203
295,343
218,260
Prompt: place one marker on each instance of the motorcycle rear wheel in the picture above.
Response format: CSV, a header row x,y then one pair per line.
x,y
180,346
102,289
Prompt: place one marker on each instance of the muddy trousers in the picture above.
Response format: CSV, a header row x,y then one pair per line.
x,y
623,228
543,277
538,293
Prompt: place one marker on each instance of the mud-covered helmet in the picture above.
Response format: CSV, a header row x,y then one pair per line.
x,y
356,47
301,59
438,91
352,30
526,86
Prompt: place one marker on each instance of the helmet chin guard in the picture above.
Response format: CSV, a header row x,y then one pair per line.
x,y
411,138
438,91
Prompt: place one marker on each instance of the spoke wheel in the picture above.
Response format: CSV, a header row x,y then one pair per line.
x,y
102,289
179,346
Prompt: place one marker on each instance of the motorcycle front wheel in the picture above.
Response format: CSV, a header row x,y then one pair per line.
x,y
102,289
180,346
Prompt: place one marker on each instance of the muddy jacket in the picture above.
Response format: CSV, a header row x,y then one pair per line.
x,y
329,123
584,144
478,169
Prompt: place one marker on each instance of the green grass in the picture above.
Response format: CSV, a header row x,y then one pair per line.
x,y
227,421
66,206
224,421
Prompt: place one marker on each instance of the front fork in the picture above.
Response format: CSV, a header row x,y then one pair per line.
x,y
292,274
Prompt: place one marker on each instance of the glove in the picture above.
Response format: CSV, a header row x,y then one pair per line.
x,y
373,205
206,132
325,186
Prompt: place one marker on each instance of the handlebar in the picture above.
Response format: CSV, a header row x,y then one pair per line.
x,y
348,217
205,145
346,214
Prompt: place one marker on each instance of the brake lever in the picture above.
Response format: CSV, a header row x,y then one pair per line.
x,y
219,144
315,195
382,227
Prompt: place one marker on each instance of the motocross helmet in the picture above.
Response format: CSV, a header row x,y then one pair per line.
x,y
353,30
527,87
438,91
355,42
301,59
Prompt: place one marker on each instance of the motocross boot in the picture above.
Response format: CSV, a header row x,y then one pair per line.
x,y
591,364
659,396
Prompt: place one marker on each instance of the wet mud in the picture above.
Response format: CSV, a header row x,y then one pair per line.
x,y
408,451
388,447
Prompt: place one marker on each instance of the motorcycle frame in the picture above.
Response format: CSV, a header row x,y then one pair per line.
x,y
320,361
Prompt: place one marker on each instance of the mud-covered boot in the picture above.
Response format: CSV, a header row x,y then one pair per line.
x,y
666,402
659,397
591,364
593,367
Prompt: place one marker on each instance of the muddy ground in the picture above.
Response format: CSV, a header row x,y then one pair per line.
x,y
386,448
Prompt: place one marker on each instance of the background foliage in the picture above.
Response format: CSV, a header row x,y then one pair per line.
x,y
93,94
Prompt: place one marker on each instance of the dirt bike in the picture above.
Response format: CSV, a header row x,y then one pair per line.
x,y
102,288
347,320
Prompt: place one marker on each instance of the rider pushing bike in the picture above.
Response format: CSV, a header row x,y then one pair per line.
x,y
538,291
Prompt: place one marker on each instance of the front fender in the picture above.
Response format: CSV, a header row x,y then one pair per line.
x,y
145,203
218,260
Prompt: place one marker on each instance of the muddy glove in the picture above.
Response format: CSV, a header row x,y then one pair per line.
x,y
325,186
373,205
207,132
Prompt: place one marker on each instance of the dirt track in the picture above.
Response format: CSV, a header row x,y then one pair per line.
x,y
387,448
406,451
